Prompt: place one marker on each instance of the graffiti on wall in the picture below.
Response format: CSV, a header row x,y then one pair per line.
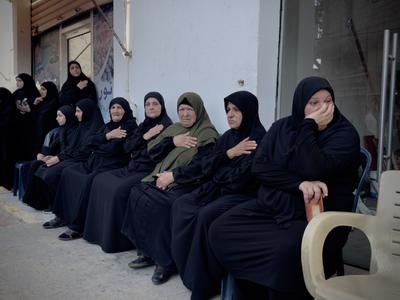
x,y
46,57
103,61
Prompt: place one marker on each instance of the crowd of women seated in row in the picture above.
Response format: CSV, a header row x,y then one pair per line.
x,y
196,203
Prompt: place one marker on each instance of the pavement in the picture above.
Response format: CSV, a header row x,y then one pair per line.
x,y
34,264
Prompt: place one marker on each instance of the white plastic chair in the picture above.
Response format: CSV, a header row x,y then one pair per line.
x,y
383,232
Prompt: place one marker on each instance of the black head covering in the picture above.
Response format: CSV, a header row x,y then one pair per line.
x,y
305,89
52,91
248,106
72,79
6,97
69,114
88,107
163,118
128,115
7,107
29,89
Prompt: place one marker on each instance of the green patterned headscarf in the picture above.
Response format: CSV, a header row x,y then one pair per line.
x,y
202,129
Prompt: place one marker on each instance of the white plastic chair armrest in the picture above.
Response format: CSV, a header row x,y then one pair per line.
x,y
314,238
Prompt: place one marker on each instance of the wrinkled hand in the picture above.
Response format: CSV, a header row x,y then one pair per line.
x,y
40,156
244,147
323,116
82,84
164,180
313,191
37,100
116,133
153,131
52,161
185,140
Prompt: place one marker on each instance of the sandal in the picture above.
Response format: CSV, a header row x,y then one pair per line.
x,y
70,235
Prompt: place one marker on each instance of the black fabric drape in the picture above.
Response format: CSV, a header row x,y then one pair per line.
x,y
260,240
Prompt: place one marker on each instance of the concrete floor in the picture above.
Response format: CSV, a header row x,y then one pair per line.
x,y
34,264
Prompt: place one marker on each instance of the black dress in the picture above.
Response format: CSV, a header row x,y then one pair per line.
x,y
44,115
260,240
73,191
74,149
228,183
7,160
24,148
147,221
70,93
110,190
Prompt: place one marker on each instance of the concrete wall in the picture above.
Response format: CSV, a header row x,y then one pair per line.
x,y
208,47
6,46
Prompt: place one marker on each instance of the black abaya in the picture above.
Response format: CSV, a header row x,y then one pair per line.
x,y
7,161
110,190
227,180
260,240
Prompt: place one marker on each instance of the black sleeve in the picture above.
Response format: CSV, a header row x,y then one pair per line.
x,y
161,150
313,162
69,94
270,174
193,171
135,142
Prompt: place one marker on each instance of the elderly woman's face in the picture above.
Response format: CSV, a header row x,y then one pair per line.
x,y
316,101
116,112
234,116
187,115
152,108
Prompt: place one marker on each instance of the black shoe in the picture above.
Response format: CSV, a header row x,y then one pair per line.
x,y
55,223
141,262
70,235
162,274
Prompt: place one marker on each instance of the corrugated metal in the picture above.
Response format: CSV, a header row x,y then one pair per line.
x,y
48,13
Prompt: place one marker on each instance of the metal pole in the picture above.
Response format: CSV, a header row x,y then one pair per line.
x,y
383,100
393,58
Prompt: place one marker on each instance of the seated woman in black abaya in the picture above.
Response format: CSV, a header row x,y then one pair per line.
x,y
67,121
177,149
228,182
110,190
74,149
312,153
107,145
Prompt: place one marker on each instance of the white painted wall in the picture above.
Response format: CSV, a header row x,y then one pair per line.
x,y
6,46
202,46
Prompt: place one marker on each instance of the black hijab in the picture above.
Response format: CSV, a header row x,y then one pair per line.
x,y
128,115
163,118
74,80
251,125
52,91
29,89
7,108
92,119
70,125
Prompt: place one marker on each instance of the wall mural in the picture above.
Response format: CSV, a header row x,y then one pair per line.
x,y
103,60
46,57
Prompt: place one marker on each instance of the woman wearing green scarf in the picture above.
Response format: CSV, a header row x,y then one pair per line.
x,y
178,151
